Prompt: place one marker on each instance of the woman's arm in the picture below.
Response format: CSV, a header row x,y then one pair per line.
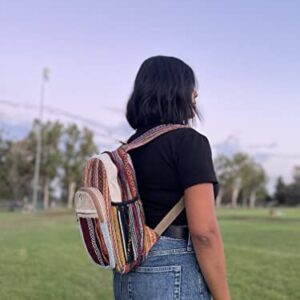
x,y
206,238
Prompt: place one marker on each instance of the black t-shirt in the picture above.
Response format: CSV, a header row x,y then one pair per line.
x,y
166,166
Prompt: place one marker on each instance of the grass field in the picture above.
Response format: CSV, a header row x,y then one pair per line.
x,y
42,257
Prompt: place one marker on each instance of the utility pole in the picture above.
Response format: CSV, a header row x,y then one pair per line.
x,y
45,78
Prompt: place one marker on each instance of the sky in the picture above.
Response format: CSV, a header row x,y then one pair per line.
x,y
245,54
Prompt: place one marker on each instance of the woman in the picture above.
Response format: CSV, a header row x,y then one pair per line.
x,y
187,262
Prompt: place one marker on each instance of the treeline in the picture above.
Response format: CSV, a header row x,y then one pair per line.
x,y
288,194
243,182
65,149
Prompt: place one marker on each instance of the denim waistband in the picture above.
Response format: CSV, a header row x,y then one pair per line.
x,y
168,245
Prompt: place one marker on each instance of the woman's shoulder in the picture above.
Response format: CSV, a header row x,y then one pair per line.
x,y
192,157
189,132
188,136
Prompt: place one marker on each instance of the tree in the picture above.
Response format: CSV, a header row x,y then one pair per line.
x,y
296,175
293,189
240,161
51,156
280,194
63,156
223,166
18,169
254,182
77,147
288,194
4,187
240,176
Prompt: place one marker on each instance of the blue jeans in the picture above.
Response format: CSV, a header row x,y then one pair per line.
x,y
170,272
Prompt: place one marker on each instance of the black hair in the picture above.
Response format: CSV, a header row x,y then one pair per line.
x,y
162,93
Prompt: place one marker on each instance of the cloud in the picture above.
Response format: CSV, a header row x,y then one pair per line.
x,y
15,130
16,119
229,146
275,163
271,145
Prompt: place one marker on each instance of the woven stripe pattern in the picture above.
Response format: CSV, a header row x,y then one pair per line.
x,y
127,239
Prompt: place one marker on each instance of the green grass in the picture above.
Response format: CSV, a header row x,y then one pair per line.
x,y
42,257
262,213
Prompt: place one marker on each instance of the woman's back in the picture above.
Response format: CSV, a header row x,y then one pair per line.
x,y
166,166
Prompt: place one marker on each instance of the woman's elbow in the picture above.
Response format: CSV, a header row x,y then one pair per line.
x,y
205,237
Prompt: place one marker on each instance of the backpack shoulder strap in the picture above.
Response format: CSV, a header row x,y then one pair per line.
x,y
150,135
144,139
170,217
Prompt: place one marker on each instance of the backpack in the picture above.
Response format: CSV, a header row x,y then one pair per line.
x,y
109,209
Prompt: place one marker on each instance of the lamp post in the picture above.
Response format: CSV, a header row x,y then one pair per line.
x,y
45,78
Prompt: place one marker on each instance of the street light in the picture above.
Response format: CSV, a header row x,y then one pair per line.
x,y
45,78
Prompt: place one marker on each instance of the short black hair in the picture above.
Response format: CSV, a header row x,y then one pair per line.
x,y
162,93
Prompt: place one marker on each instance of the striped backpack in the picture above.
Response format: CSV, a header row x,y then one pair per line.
x,y
109,209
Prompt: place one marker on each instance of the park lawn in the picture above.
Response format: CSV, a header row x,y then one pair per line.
x,y
263,259
42,257
271,213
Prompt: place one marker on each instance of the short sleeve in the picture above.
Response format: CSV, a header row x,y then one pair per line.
x,y
193,158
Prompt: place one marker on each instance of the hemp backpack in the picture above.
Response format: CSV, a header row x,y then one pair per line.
x,y
109,209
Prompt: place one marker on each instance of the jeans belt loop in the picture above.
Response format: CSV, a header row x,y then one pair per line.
x,y
189,246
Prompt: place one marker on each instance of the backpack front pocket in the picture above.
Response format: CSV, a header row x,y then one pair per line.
x,y
128,227
92,220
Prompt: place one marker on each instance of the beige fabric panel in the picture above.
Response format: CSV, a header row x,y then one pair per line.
x,y
112,177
